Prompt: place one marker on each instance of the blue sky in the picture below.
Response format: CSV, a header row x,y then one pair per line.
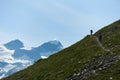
x,y
38,21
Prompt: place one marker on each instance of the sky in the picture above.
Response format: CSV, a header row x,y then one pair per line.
x,y
37,21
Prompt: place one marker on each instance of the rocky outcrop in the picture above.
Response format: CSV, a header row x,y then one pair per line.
x,y
96,64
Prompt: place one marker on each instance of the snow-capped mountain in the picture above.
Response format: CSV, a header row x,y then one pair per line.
x,y
33,54
14,56
14,45
49,48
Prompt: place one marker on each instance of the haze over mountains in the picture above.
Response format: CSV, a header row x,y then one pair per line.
x,y
14,56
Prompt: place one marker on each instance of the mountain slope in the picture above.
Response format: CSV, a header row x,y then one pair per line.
x,y
69,62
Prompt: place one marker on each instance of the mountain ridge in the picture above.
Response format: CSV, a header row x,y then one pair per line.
x,y
88,52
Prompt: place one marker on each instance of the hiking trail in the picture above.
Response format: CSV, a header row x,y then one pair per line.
x,y
101,45
96,64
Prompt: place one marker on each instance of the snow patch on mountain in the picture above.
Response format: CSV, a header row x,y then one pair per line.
x,y
44,57
26,48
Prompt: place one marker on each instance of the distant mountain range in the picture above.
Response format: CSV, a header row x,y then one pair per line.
x,y
34,54
14,56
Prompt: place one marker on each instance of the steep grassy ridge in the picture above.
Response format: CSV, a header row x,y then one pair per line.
x,y
111,40
111,36
61,65
66,62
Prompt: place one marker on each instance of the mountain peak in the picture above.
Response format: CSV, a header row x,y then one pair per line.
x,y
49,48
15,44
53,45
56,42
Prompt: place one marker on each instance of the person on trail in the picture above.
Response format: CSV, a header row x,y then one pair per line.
x,y
100,38
91,32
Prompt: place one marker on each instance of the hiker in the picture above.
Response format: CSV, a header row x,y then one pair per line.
x,y
100,38
91,32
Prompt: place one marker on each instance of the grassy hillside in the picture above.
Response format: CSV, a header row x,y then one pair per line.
x,y
111,36
111,40
65,63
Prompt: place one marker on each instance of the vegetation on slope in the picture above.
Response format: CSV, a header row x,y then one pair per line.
x,y
61,65
65,63
111,40
111,36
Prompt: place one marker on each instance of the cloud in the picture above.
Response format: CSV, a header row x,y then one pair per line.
x,y
5,54
9,63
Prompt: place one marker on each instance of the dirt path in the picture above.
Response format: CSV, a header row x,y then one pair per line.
x,y
96,64
101,45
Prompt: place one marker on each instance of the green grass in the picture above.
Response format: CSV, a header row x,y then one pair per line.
x,y
61,65
111,36
111,40
64,63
